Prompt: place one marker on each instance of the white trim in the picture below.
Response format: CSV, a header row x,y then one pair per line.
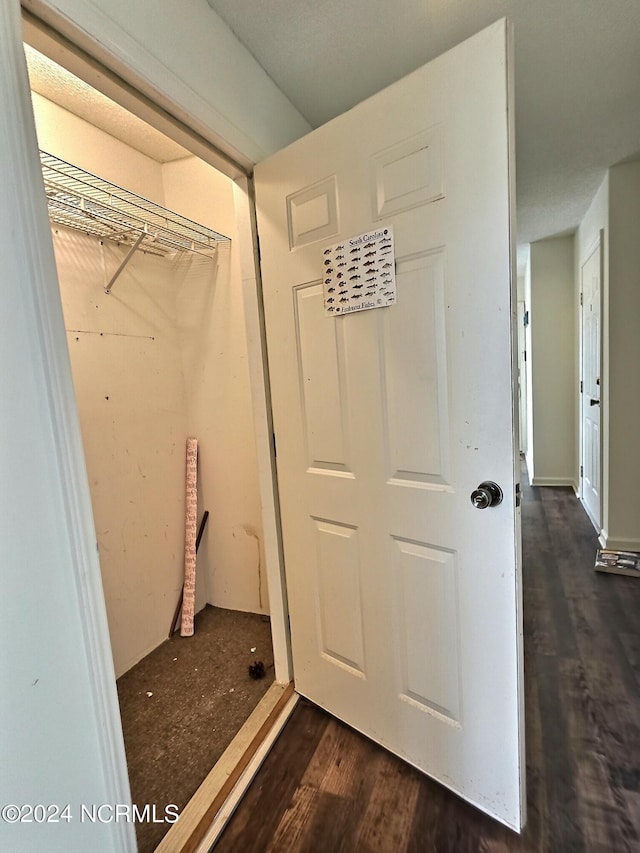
x,y
56,47
554,481
618,544
117,57
596,526
222,93
528,460
238,791
515,405
263,426
232,764
32,237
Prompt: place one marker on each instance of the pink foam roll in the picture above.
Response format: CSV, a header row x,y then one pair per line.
x,y
190,533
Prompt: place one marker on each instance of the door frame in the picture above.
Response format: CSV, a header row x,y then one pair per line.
x,y
596,246
77,51
522,375
77,55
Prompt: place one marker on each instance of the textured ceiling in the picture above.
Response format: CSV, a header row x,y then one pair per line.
x,y
58,85
577,72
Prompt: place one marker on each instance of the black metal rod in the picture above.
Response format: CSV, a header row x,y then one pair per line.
x,y
203,524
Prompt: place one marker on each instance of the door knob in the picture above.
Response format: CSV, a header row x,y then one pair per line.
x,y
593,402
487,494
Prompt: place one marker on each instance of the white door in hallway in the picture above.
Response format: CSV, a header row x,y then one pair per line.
x,y
590,385
404,597
522,374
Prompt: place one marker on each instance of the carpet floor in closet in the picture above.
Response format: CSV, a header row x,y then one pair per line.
x,y
182,705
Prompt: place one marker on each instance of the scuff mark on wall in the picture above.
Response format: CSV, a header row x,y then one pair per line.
x,y
251,531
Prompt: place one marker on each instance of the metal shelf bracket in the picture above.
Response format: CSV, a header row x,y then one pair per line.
x,y
124,263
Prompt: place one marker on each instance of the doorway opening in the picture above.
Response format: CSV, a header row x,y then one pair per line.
x,y
158,350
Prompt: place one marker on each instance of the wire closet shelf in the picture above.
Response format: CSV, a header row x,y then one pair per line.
x,y
78,199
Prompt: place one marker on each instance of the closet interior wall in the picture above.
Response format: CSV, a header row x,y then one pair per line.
x,y
163,357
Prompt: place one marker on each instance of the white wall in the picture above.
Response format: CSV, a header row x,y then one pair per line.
x,y
552,353
218,395
125,350
66,136
183,55
162,357
615,210
622,528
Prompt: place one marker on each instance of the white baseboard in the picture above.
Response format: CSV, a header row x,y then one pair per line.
x,y
613,543
554,481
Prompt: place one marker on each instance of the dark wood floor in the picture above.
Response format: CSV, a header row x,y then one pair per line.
x,y
324,788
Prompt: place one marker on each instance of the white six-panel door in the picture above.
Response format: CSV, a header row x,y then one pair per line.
x,y
404,598
591,388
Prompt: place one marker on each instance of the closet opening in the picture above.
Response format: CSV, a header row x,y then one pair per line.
x,y
157,341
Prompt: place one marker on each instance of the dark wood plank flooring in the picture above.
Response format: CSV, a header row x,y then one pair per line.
x,y
325,788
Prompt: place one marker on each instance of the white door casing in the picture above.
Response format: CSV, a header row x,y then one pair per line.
x,y
61,733
404,599
522,375
591,389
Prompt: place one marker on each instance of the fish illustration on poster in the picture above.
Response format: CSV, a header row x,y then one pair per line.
x,y
360,273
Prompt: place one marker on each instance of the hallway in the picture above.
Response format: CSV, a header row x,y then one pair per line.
x,y
326,788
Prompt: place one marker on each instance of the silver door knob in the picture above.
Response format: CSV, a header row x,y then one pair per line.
x,y
487,494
